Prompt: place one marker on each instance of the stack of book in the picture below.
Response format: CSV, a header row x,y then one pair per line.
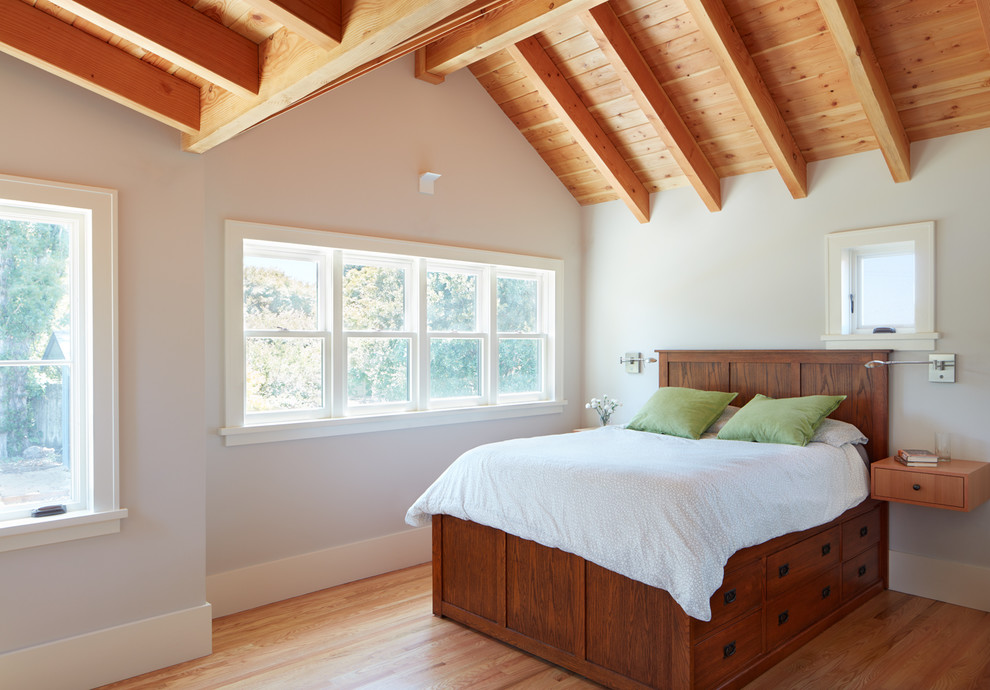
x,y
917,458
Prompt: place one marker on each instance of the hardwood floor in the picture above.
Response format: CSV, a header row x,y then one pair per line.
x,y
380,633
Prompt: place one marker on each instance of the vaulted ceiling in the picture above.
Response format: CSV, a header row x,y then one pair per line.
x,y
621,99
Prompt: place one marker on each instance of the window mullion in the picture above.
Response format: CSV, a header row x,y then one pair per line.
x,y
491,392
420,369
338,343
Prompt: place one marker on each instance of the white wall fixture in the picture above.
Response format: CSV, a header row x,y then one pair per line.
x,y
426,182
633,362
941,367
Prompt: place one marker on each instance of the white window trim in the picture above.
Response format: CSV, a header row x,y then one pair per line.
x,y
838,331
237,432
103,513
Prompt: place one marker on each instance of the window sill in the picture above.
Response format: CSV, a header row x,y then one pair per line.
x,y
316,428
28,532
883,341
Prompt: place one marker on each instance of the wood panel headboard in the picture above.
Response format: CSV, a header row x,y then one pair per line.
x,y
792,373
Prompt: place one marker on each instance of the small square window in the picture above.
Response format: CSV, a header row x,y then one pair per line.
x,y
881,288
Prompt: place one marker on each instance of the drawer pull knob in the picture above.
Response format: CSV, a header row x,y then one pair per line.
x,y
863,531
730,596
782,618
826,592
826,549
729,649
862,570
916,487
783,570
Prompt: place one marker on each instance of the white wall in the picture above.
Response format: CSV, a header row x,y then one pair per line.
x,y
285,518
753,276
101,605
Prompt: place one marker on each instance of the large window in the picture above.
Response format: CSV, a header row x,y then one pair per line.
x,y
329,333
881,288
58,448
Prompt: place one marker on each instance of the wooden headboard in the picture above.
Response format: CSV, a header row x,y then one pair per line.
x,y
788,374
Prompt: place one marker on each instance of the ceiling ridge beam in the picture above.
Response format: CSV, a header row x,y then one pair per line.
x,y
634,72
496,29
292,68
318,21
44,41
564,102
178,33
744,76
854,46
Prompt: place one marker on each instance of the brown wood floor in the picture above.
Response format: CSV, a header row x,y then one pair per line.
x,y
380,633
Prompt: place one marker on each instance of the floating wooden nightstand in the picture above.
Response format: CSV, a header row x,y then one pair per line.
x,y
955,485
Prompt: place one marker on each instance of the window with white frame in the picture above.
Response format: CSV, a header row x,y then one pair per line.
x,y
58,444
881,287
329,333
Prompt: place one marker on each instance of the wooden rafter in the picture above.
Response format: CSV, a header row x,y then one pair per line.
x,y
856,50
175,31
318,21
292,68
581,124
634,72
42,40
729,49
495,30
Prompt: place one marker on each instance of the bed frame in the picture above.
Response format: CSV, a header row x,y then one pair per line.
x,y
624,634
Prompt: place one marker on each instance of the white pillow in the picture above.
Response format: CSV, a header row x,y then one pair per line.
x,y
836,433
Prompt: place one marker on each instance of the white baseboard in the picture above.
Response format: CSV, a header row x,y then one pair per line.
x,y
247,588
111,654
954,583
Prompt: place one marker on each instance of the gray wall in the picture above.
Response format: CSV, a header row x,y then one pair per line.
x,y
753,276
154,566
350,162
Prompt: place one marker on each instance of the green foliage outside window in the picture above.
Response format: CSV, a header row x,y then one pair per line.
x,y
34,303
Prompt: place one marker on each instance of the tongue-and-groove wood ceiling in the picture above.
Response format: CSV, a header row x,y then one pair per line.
x,y
621,99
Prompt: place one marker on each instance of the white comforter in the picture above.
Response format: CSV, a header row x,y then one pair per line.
x,y
663,510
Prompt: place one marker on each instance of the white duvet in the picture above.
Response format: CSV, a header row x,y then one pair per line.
x,y
662,510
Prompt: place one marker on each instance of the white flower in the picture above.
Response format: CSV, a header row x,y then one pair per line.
x,y
604,407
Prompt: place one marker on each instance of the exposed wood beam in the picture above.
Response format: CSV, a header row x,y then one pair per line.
x,y
495,30
292,68
40,39
582,125
853,42
318,21
625,58
175,31
718,29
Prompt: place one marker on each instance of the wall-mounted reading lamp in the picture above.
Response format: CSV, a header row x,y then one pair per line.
x,y
634,362
941,367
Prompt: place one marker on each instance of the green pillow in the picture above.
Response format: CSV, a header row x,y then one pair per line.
x,y
684,412
784,420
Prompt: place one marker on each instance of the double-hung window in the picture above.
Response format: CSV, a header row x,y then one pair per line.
x,y
58,427
329,333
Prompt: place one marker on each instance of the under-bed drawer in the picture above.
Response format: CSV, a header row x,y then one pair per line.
x,y
860,532
741,591
859,572
791,613
797,564
728,651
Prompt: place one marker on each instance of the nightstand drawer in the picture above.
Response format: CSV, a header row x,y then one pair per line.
x,y
920,487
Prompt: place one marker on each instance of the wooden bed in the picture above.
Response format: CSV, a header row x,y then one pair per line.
x,y
625,634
